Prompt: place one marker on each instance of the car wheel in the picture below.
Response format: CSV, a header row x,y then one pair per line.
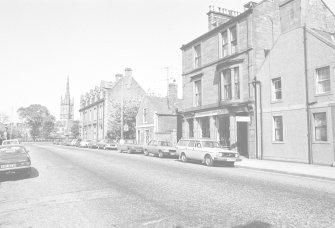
x,y
183,157
146,153
208,160
160,154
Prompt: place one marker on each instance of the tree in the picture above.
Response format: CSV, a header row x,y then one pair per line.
x,y
75,129
48,126
38,119
130,109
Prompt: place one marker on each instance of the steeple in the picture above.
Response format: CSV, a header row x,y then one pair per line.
x,y
67,92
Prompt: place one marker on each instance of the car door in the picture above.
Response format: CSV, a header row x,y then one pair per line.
x,y
190,150
151,145
198,151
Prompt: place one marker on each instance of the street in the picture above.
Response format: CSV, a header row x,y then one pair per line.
x,y
77,187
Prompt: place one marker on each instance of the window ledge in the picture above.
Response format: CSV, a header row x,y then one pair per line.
x,y
278,142
276,101
320,142
323,94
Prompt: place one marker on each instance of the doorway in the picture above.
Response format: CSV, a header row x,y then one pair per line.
x,y
223,125
242,138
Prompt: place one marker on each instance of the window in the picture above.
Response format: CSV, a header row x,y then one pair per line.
x,y
323,80
233,40
191,143
224,36
197,56
290,15
197,93
236,83
145,115
205,127
320,126
276,89
190,128
278,128
227,84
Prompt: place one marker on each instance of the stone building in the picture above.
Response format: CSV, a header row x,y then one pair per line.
x,y
96,106
158,117
66,111
218,69
296,87
238,69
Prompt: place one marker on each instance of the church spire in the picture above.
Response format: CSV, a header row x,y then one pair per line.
x,y
67,93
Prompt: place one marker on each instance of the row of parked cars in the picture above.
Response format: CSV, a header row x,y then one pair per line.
x,y
207,151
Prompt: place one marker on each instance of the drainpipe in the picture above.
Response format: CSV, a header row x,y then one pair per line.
x,y
310,155
255,82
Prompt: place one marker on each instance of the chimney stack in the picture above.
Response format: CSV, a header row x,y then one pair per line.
x,y
128,72
118,77
219,16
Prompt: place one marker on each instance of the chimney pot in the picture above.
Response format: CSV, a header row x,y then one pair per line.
x,y
128,72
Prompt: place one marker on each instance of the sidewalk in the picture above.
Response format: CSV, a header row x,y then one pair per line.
x,y
298,169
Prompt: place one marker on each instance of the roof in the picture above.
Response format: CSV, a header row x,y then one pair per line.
x,y
161,104
215,30
326,37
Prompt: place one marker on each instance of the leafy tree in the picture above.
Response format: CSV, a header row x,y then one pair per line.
x,y
75,129
48,126
38,119
130,109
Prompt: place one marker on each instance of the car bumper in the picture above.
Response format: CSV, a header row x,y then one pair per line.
x,y
226,159
15,169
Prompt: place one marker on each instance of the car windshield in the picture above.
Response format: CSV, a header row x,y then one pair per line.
x,y
12,149
210,144
162,143
8,142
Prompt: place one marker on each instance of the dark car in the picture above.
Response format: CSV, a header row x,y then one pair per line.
x,y
129,146
160,148
14,159
92,145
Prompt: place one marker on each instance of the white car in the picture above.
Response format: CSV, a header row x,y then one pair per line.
x,y
10,142
85,143
207,151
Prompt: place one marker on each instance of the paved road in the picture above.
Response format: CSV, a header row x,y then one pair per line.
x,y
73,187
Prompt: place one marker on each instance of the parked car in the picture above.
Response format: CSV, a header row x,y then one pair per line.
x,y
111,145
10,142
207,151
159,148
92,145
75,142
84,143
14,159
129,146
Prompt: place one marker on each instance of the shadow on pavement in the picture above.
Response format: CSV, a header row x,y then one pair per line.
x,y
254,224
19,175
224,165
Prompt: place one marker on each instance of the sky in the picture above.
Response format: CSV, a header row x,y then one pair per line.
x,y
44,41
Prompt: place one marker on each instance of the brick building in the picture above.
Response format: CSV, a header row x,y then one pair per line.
x,y
158,117
96,106
218,70
296,87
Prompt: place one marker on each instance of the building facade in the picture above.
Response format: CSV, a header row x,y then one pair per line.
x,y
296,87
158,117
96,106
66,111
218,70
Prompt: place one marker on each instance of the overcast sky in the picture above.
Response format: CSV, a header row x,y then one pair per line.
x,y
44,41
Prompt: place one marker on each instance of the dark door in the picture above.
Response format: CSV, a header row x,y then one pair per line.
x,y
242,138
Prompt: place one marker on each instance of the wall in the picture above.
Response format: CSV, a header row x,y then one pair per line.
x,y
289,65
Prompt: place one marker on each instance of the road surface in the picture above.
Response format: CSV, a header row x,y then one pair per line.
x,y
77,187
